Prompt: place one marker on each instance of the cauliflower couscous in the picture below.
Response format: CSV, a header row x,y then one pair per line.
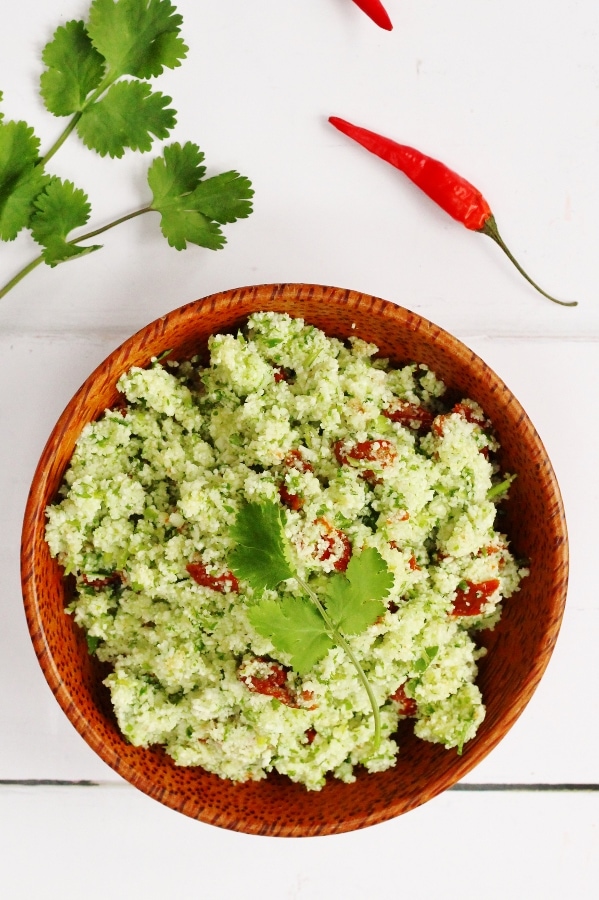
x,y
359,455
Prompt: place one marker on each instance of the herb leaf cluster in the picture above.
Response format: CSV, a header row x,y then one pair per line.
x,y
306,627
97,73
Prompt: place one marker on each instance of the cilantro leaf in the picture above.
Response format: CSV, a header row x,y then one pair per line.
x,y
175,174
128,114
189,207
17,206
137,37
302,627
20,178
262,554
294,626
224,198
84,79
354,600
59,209
75,68
184,226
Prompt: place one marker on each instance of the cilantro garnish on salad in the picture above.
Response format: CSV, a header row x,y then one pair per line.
x,y
307,627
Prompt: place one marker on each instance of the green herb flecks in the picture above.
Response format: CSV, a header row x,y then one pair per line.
x,y
499,490
422,664
92,643
164,355
97,75
307,627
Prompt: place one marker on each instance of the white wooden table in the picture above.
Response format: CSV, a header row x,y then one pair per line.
x,y
508,94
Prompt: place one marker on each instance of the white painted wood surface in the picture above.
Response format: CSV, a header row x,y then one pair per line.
x,y
508,94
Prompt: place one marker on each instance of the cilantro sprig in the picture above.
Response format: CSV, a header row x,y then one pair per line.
x,y
307,627
98,75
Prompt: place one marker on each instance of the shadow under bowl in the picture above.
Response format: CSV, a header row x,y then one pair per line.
x,y
519,647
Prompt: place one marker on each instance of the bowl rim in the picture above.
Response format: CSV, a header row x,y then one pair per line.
x,y
44,472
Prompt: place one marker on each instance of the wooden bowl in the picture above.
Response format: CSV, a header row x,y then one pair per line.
x,y
519,648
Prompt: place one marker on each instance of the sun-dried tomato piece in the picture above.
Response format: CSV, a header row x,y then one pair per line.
x,y
293,501
438,426
308,697
342,561
225,583
407,706
113,578
338,546
371,477
380,451
474,416
341,455
280,373
409,414
121,405
295,460
467,412
470,600
310,735
489,550
274,684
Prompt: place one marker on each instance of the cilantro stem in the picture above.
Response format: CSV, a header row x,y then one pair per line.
x,y
91,234
340,640
60,141
106,83
84,237
14,281
497,490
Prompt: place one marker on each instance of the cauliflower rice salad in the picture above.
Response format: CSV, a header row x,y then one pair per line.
x,y
359,455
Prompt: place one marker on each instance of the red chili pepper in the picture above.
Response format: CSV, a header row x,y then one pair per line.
x,y
377,12
450,191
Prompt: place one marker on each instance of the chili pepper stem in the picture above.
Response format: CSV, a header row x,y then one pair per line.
x,y
491,230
